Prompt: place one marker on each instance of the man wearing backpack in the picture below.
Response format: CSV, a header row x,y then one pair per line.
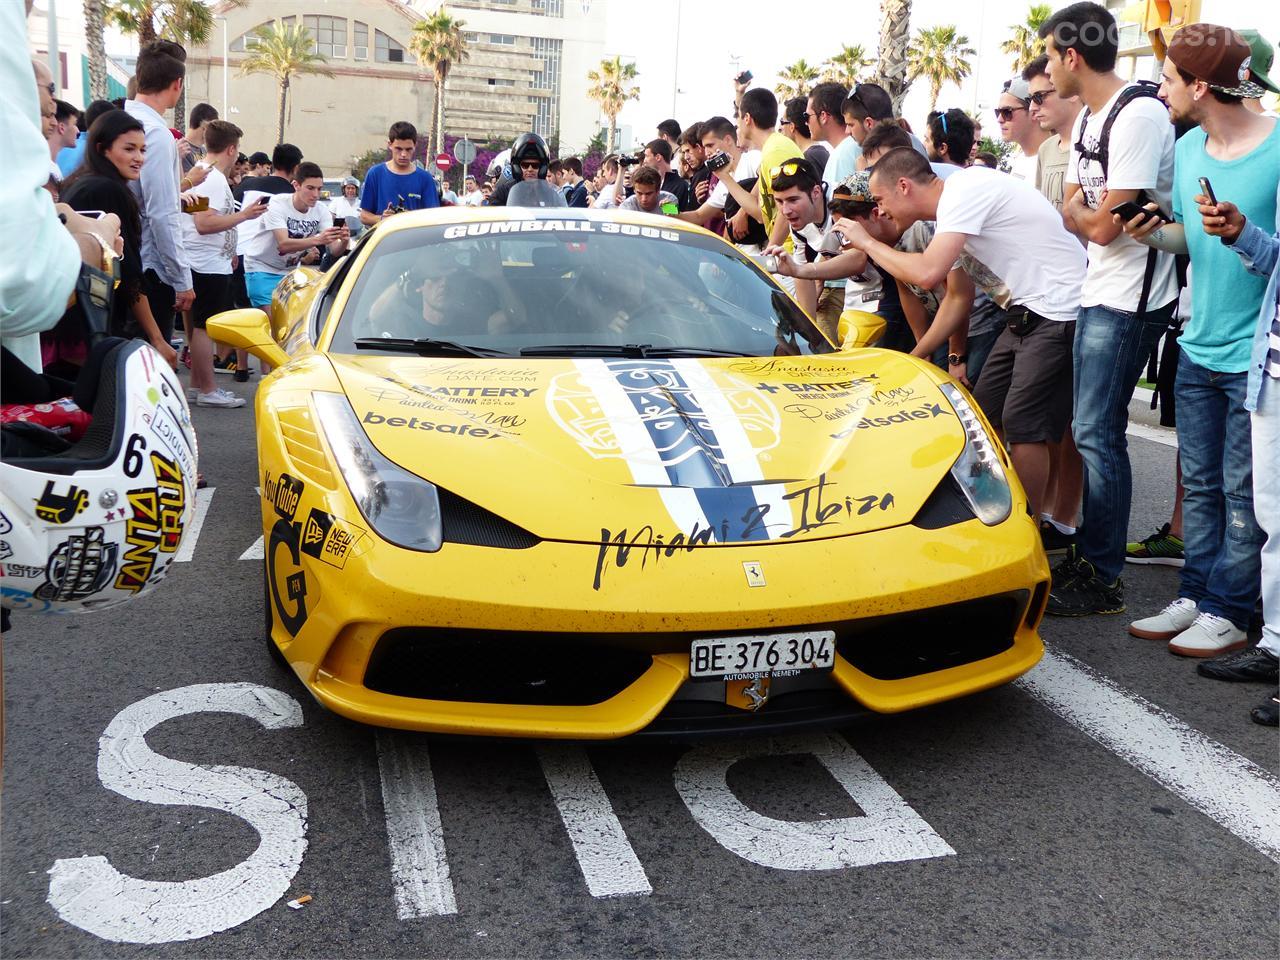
x,y
1122,150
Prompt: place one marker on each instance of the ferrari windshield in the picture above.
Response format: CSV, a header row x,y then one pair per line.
x,y
548,287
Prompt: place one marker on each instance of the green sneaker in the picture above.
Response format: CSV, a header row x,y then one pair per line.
x,y
1161,547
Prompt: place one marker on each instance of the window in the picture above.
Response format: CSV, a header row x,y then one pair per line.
x,y
546,120
248,40
470,36
328,36
386,50
497,82
287,22
360,38
548,8
502,39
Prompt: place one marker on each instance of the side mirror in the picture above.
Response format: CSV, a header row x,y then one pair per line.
x,y
857,328
248,330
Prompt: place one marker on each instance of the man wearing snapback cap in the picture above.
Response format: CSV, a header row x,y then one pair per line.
x,y
1261,57
1206,78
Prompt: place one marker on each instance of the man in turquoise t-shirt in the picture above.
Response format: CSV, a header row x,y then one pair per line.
x,y
1206,77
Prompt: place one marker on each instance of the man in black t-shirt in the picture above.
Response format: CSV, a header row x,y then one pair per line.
x,y
657,154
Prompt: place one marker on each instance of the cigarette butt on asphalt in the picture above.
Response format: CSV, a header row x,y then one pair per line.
x,y
297,904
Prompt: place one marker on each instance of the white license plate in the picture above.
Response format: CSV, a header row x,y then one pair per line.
x,y
776,654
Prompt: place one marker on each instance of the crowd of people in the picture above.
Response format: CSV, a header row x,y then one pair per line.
x,y
1133,226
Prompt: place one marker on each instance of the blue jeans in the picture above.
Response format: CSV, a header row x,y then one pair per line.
x,y
1111,347
1223,543
1266,497
979,348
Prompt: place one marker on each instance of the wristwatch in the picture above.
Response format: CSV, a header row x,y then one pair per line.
x,y
955,359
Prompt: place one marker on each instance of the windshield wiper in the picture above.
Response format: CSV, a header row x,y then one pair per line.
x,y
629,350
427,347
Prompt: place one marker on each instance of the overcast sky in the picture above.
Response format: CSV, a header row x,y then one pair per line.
x,y
765,35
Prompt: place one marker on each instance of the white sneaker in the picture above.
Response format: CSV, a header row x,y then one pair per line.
x,y
1207,637
219,398
1168,623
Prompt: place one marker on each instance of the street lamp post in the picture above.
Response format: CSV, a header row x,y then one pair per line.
x,y
226,110
55,65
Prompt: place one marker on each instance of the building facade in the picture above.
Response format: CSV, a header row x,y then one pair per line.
x,y
528,58
375,79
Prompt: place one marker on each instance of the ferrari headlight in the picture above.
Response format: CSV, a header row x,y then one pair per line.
x,y
978,470
401,506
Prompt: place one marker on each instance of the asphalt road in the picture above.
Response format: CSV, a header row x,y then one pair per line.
x,y
1111,804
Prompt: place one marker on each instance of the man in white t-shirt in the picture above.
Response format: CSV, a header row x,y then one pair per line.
x,y
346,204
1013,114
1130,290
720,137
802,200
471,195
293,224
209,238
1005,225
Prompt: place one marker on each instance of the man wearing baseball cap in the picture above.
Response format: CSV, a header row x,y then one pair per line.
x,y
1262,55
1232,155
1013,114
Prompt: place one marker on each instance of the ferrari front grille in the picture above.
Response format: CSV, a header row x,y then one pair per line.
x,y
922,641
490,666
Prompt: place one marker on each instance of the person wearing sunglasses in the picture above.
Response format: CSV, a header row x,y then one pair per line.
x,y
1057,116
1013,114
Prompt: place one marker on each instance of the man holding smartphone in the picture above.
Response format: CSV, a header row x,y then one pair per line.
x,y
209,237
1123,150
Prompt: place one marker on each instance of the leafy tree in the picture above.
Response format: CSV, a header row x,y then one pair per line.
x,y
612,85
795,80
846,67
939,55
283,54
438,43
94,28
895,35
188,22
1024,43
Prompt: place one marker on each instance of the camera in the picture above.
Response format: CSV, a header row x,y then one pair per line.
x,y
631,161
718,162
744,77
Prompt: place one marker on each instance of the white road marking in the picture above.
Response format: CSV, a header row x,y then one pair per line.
x,y
256,551
890,831
419,867
1156,434
1237,793
192,534
608,862
89,893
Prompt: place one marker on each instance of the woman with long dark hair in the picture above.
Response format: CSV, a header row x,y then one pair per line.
x,y
113,156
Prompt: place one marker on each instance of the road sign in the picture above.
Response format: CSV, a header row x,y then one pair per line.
x,y
444,161
464,151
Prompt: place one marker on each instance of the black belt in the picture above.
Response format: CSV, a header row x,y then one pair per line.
x,y
1022,321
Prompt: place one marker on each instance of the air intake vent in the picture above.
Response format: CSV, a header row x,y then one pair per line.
x,y
465,522
303,447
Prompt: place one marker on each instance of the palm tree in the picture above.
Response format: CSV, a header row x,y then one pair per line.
x,y
846,66
612,85
94,27
188,22
437,42
941,56
1025,43
895,34
283,54
796,79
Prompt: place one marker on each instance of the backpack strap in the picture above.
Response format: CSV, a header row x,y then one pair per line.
x,y
1135,91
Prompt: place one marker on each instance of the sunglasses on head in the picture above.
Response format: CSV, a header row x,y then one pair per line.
x,y
1006,113
787,168
1039,97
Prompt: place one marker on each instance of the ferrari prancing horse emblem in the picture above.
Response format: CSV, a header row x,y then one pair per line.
x,y
754,572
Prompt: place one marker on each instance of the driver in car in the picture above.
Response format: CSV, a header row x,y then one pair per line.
x,y
440,297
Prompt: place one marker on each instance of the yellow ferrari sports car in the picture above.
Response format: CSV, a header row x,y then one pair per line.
x,y
560,473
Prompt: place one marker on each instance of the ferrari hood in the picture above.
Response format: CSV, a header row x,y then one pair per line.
x,y
695,451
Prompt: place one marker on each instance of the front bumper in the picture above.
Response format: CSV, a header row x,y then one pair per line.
x,y
896,589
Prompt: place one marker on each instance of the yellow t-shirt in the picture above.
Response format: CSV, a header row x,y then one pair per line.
x,y
775,151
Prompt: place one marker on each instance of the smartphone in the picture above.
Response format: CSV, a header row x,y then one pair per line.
x,y
1128,210
744,77
1207,189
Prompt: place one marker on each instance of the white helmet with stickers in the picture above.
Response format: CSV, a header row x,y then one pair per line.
x,y
100,523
